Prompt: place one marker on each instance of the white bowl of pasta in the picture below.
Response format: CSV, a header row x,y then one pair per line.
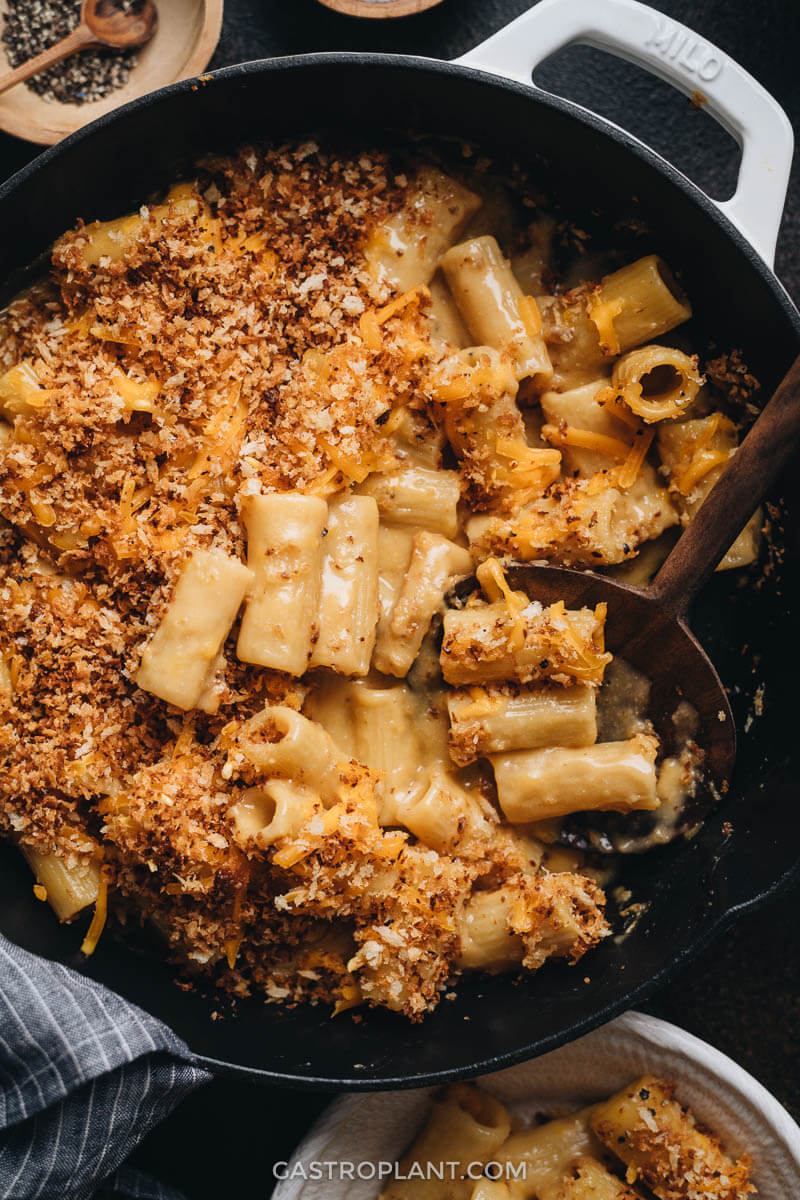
x,y
589,1121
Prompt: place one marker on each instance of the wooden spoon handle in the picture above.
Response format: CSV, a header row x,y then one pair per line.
x,y
79,39
732,501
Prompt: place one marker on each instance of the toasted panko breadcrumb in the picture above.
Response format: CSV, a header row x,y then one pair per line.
x,y
661,1144
579,522
563,918
403,898
227,341
493,641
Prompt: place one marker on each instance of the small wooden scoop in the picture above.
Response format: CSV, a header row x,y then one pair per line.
x,y
647,627
102,23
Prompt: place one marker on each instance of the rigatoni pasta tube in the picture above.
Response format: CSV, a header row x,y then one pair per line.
x,y
446,322
637,303
495,309
395,545
405,250
348,603
695,453
280,741
588,1179
490,1189
277,809
658,1139
489,720
531,265
574,345
533,785
591,436
657,382
183,651
211,696
477,388
388,738
486,939
489,643
465,1126
446,816
415,440
746,548
435,562
417,496
329,704
284,551
382,727
543,1155
69,889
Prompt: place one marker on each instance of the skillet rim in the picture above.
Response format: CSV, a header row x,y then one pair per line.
x,y
499,1062
626,999
438,67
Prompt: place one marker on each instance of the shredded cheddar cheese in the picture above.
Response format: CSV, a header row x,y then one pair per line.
x,y
413,296
702,457
350,998
629,471
530,467
43,513
602,314
492,579
530,315
20,390
223,436
370,330
587,439
89,944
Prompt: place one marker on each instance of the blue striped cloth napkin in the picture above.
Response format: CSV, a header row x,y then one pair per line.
x,y
84,1075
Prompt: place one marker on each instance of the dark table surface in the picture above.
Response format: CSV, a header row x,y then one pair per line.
x,y
743,993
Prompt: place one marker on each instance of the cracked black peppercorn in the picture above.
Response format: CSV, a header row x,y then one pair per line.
x,y
32,26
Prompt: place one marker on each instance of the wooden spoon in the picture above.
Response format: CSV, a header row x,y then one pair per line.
x,y
102,23
648,628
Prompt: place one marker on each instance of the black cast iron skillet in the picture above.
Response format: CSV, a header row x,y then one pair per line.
x,y
693,890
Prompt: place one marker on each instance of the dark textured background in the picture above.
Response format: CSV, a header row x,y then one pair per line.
x,y
743,993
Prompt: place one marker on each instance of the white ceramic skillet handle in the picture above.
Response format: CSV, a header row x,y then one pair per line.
x,y
663,46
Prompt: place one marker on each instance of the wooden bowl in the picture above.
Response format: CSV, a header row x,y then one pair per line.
x,y
187,35
380,8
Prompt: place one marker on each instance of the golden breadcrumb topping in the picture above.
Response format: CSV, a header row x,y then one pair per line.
x,y
235,340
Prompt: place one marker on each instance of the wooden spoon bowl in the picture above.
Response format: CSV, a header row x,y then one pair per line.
x,y
114,27
648,628
664,649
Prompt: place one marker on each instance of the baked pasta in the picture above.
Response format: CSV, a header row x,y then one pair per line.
x,y
250,437
471,1148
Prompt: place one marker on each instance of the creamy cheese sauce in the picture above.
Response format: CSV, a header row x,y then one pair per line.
x,y
622,707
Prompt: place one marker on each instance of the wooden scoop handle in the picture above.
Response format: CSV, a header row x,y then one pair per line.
x,y
734,498
79,39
